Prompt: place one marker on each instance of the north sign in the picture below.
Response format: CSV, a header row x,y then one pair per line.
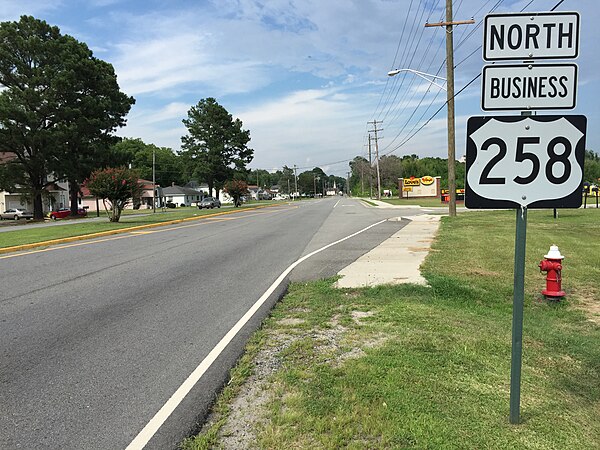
x,y
527,36
525,161
518,87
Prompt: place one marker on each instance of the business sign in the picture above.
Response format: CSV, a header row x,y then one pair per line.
x,y
427,180
526,36
518,87
411,181
530,161
407,189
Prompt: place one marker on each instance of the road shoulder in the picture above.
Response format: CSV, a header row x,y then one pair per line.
x,y
397,259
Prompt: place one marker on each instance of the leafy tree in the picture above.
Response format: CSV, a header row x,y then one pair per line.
x,y
591,167
216,145
361,176
390,167
260,177
93,108
59,107
168,165
117,186
285,179
236,189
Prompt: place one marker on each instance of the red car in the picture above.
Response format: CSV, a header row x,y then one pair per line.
x,y
66,212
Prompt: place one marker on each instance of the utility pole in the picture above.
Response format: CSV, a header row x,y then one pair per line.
x,y
375,130
450,101
295,181
153,181
348,184
370,170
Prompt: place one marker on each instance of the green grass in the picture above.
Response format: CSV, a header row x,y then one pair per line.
x,y
368,202
426,202
23,234
429,368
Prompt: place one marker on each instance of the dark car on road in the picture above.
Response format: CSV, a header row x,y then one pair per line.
x,y
65,212
209,202
16,214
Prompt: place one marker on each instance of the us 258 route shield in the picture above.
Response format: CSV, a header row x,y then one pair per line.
x,y
531,161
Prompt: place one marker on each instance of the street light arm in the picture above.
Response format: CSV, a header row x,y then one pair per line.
x,y
423,75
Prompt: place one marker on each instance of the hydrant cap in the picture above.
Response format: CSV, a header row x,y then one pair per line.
x,y
554,253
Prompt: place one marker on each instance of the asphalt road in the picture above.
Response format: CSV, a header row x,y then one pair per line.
x,y
96,336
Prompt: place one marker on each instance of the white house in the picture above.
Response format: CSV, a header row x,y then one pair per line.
x,y
181,195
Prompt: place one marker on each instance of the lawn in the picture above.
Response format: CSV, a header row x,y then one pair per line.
x,y
429,367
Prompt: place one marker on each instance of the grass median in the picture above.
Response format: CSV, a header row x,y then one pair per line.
x,y
25,234
429,367
427,202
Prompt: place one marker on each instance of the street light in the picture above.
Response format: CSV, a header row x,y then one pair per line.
x,y
451,151
423,75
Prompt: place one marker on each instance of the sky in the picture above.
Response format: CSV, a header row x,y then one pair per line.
x,y
304,76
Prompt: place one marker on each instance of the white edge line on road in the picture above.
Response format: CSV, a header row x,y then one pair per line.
x,y
162,415
336,203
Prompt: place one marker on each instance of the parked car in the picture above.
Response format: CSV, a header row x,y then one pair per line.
x,y
209,202
16,214
65,212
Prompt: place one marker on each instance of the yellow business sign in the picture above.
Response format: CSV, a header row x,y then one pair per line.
x,y
427,180
407,189
412,182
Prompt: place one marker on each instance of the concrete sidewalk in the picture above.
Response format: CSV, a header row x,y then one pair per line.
x,y
397,259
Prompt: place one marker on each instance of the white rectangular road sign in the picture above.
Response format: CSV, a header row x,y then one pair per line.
x,y
518,87
536,35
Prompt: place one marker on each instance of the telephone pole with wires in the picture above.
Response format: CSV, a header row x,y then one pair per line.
x,y
375,130
450,101
370,170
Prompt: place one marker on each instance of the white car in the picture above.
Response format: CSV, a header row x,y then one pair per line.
x,y
16,214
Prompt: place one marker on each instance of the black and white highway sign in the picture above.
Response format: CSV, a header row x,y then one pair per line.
x,y
519,87
526,36
532,161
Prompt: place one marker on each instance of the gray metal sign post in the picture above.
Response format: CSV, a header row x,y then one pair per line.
x,y
517,318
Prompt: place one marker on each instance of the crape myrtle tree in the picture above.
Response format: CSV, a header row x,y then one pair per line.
x,y
215,147
236,189
118,186
58,107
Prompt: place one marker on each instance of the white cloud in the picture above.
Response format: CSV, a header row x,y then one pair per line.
x,y
305,127
12,10
312,71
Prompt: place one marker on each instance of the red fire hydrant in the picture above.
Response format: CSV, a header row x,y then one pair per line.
x,y
552,264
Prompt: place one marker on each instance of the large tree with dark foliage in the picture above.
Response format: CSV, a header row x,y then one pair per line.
x,y
168,167
216,146
58,109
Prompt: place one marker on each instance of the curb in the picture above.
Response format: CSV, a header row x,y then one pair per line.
x,y
83,237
